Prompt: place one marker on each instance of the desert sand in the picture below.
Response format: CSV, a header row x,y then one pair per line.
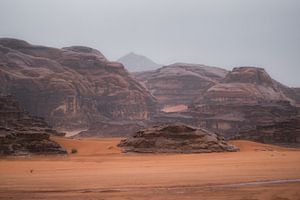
x,y
100,171
177,108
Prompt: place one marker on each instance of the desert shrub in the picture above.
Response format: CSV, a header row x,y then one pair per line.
x,y
73,150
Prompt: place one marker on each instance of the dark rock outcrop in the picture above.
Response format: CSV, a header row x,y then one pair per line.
x,y
175,138
22,134
72,87
285,132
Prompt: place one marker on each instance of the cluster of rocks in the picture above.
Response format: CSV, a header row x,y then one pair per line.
x,y
22,134
176,138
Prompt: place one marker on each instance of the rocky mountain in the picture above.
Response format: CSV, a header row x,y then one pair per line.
x,y
72,87
244,103
175,138
135,63
77,87
22,134
178,85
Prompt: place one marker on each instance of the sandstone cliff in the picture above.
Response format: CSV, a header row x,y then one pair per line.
x,y
71,87
243,103
180,83
246,102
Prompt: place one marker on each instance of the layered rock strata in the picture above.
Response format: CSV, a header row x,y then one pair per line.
x,y
72,87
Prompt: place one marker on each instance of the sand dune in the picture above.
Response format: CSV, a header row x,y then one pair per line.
x,y
100,171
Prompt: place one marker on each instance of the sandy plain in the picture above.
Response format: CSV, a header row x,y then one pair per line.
x,y
100,171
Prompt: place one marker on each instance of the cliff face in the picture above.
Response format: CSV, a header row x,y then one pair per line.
x,y
245,104
22,134
180,84
71,87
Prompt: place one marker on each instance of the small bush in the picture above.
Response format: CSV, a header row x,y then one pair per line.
x,y
73,151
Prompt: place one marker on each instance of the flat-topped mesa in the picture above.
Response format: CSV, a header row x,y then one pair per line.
x,y
71,87
175,138
22,134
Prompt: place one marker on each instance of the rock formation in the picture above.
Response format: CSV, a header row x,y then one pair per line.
x,y
71,87
22,134
175,138
243,104
137,63
180,84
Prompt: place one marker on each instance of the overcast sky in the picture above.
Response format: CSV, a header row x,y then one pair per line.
x,y
224,33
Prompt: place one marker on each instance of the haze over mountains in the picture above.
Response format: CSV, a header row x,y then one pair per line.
x,y
134,63
141,99
78,88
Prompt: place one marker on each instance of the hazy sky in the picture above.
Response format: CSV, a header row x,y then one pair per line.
x,y
224,33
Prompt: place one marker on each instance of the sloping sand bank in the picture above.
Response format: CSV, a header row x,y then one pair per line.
x,y
100,171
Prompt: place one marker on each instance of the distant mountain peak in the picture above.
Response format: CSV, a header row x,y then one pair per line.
x,y
134,62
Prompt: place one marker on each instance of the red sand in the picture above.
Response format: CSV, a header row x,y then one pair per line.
x,y
100,171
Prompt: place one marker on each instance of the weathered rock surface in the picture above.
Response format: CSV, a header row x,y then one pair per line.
x,y
72,87
284,131
175,138
244,104
180,83
135,63
292,93
22,134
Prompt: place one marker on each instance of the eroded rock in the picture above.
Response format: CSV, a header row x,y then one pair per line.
x,y
72,87
175,138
